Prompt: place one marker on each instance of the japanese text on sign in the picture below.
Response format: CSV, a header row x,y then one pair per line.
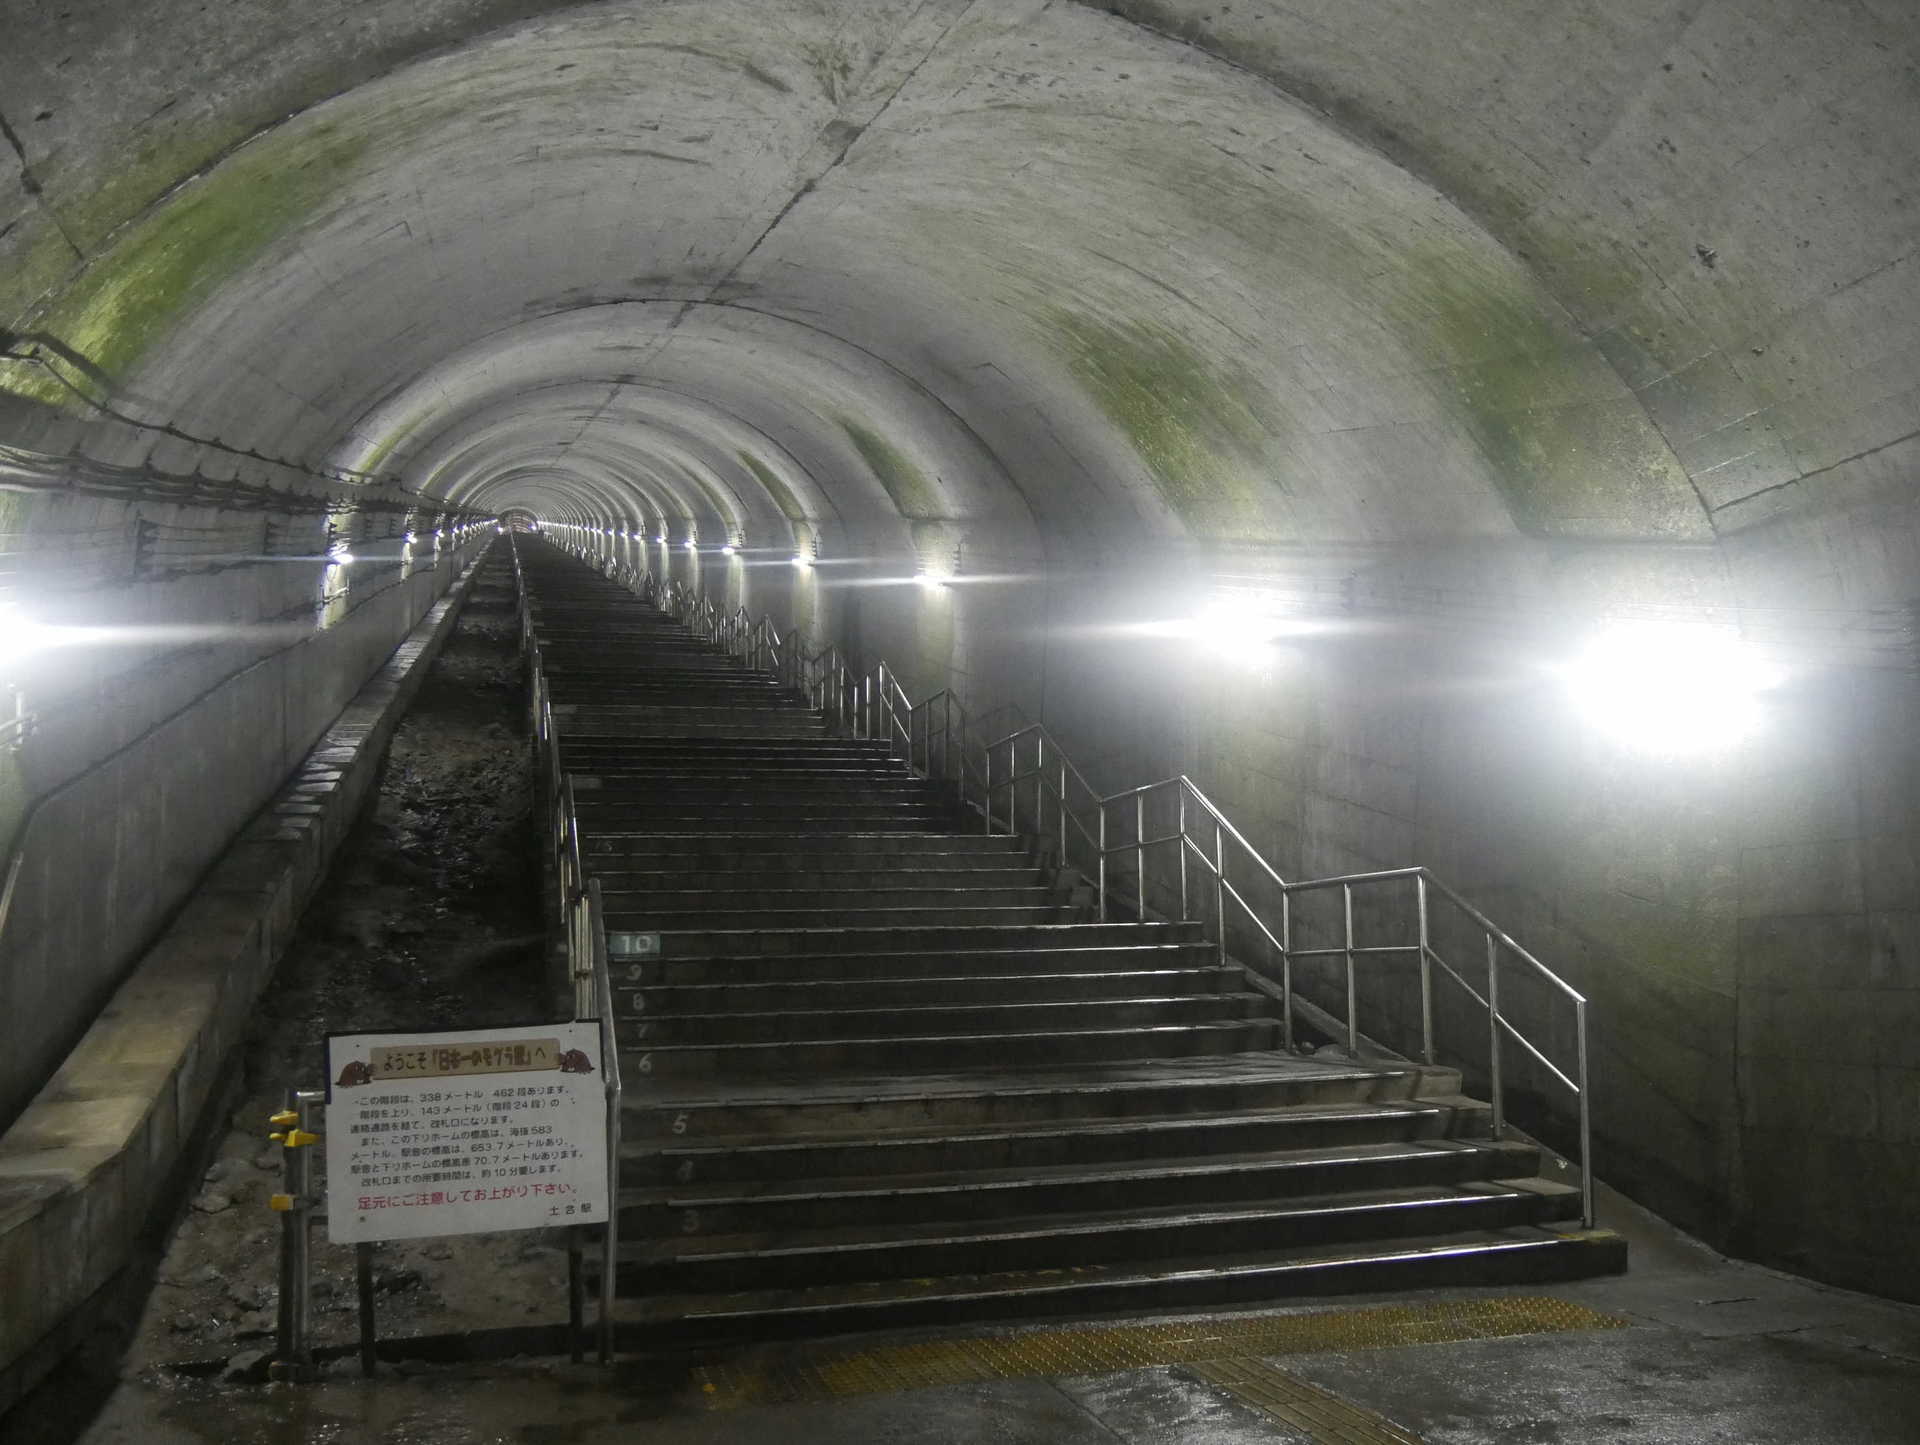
x,y
493,1056
458,1133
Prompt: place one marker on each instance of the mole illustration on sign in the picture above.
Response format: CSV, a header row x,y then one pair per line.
x,y
354,1074
575,1061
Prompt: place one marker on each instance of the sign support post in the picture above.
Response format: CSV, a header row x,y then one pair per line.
x,y
363,1279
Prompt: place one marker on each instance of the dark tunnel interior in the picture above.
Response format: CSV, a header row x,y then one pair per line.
x,y
1481,437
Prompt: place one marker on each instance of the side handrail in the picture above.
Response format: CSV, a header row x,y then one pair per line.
x,y
870,703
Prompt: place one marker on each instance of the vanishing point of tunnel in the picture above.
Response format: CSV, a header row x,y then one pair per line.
x,y
1473,437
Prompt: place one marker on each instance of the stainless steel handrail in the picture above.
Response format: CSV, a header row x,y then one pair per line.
x,y
1499,943
827,678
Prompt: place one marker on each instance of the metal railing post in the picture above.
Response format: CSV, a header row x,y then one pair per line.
x,y
1103,860
1496,1086
1353,987
1286,965
1586,1118
1426,970
295,1334
1219,888
1063,810
989,786
1039,787
1186,910
1140,856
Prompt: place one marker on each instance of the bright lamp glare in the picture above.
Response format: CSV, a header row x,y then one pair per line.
x,y
21,639
728,550
1237,631
799,561
691,547
1671,688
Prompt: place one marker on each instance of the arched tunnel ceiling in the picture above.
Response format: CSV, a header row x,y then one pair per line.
x,y
1319,272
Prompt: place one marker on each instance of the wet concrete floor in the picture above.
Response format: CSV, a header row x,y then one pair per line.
x,y
1712,1351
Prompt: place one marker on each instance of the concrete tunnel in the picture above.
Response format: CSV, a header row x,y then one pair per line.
x,y
1289,395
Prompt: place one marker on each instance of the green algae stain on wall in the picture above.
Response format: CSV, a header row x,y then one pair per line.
x,y
916,497
1195,423
375,457
1570,450
172,260
782,494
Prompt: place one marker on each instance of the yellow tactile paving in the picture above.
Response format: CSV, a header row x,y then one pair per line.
x,y
1325,1417
802,1374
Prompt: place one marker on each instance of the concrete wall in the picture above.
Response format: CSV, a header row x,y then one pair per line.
x,y
1743,919
150,769
97,1155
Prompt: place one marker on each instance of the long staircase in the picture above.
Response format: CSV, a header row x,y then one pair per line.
x,y
882,1070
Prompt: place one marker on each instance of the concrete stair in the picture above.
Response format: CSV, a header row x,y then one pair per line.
x,y
882,1071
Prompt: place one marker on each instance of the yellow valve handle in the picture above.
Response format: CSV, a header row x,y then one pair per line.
x,y
280,1203
278,1138
298,1138
285,1117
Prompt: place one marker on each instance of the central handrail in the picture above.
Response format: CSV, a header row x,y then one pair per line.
x,y
942,744
582,927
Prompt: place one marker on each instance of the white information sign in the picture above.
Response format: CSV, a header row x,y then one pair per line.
x,y
465,1132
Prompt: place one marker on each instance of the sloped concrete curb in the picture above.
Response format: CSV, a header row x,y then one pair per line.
x,y
84,1168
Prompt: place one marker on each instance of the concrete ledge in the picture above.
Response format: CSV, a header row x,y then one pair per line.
x,y
84,1168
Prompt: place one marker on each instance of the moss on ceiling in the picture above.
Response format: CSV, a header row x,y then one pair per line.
x,y
917,498
1568,447
782,494
1197,423
173,259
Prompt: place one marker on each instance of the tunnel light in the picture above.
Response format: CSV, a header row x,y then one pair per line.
x,y
340,555
1673,688
800,561
929,582
21,637
728,550
1231,629
411,539
690,545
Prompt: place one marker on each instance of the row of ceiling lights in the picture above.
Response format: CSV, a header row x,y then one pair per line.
x,y
1672,688
799,559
